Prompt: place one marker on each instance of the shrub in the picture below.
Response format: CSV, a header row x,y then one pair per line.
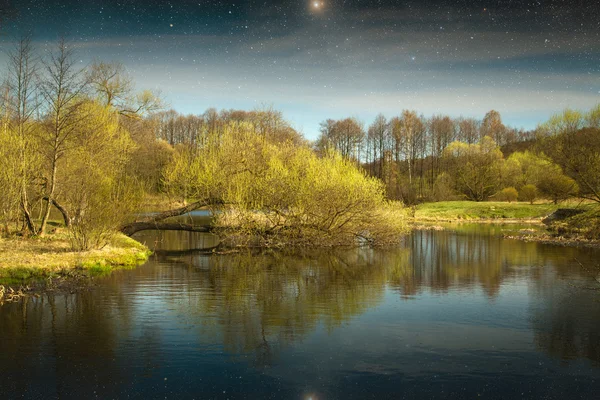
x,y
509,194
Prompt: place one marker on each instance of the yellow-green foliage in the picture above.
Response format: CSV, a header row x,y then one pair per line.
x,y
528,193
282,192
527,169
475,168
9,173
509,194
100,193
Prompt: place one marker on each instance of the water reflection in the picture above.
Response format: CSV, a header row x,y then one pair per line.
x,y
460,312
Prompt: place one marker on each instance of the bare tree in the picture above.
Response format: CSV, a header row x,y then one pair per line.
x,y
468,130
378,137
493,127
114,86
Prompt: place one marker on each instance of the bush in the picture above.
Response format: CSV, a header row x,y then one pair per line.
x,y
509,194
528,193
442,188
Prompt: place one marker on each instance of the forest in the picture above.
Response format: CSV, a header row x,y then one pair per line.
x,y
80,142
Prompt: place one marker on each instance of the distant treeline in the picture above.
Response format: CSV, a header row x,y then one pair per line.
x,y
419,158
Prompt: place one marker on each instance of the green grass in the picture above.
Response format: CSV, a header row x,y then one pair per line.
x,y
24,259
470,211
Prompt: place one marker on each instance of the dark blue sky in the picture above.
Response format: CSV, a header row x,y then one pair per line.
x,y
526,59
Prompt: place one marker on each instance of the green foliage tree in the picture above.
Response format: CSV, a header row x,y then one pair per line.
x,y
558,187
508,194
528,193
592,117
20,108
475,168
98,191
578,154
9,174
568,121
542,173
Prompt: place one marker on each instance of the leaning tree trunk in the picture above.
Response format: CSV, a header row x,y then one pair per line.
x,y
26,213
153,221
134,227
62,210
50,198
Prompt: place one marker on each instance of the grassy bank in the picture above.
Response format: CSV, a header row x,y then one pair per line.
x,y
43,257
482,211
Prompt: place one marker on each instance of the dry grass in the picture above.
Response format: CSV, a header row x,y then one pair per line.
x,y
23,258
478,211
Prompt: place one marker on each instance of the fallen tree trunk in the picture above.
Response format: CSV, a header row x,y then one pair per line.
x,y
179,211
134,227
152,221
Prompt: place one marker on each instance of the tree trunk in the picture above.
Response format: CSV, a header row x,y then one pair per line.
x,y
62,210
134,227
25,209
50,198
152,221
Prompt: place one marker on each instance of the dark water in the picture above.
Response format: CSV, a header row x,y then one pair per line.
x,y
456,315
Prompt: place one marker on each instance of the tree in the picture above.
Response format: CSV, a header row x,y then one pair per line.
x,y
558,187
21,106
493,127
540,172
509,194
98,192
475,168
114,87
9,166
569,121
442,132
578,154
62,90
378,135
408,132
592,117
282,193
468,130
528,193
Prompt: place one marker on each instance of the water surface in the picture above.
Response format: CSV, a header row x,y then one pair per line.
x,y
450,314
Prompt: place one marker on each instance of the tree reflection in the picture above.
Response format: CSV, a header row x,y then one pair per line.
x,y
253,305
264,301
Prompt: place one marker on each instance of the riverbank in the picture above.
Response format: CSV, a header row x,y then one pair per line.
x,y
566,241
494,212
23,259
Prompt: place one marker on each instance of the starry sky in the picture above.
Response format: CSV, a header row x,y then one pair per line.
x,y
338,58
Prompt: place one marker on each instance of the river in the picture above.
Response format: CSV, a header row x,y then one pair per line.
x,y
454,314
